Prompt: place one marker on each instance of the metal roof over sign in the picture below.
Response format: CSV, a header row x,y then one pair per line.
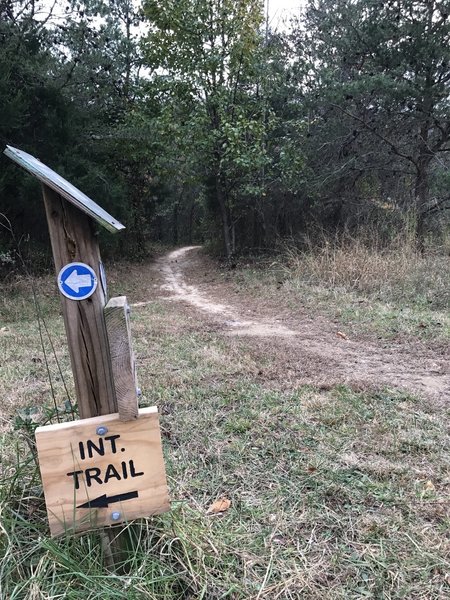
x,y
63,187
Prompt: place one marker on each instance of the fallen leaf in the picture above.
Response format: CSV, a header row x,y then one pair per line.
x,y
429,486
342,335
219,506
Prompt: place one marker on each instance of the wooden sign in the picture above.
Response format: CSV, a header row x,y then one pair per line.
x,y
102,471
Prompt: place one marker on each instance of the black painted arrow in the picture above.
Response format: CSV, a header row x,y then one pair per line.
x,y
104,501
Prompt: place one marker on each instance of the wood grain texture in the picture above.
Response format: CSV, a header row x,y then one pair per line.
x,y
60,456
73,239
122,358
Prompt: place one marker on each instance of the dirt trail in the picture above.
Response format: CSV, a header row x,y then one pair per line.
x,y
307,349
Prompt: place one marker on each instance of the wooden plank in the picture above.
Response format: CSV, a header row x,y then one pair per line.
x,y
73,240
63,187
118,328
95,478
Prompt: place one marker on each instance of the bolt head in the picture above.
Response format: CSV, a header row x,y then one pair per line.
x,y
115,516
101,430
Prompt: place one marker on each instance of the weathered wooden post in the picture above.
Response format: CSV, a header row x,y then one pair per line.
x,y
123,364
113,455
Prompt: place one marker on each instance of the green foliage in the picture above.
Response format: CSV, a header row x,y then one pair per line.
x,y
204,125
380,88
66,90
213,48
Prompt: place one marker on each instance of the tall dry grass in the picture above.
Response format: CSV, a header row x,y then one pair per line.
x,y
393,272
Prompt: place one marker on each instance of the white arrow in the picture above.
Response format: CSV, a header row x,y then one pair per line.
x,y
75,281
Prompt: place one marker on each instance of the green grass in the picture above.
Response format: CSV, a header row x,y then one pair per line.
x,y
335,494
368,314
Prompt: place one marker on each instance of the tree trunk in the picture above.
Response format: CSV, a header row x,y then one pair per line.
x,y
424,157
421,201
421,197
191,222
225,218
175,224
262,220
255,228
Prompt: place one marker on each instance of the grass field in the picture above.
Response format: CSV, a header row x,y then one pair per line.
x,y
335,493
391,293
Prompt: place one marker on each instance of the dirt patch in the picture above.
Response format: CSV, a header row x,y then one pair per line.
x,y
173,267
303,349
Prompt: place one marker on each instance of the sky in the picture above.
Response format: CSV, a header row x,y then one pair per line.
x,y
280,10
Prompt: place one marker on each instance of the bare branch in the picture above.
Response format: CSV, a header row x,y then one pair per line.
x,y
376,133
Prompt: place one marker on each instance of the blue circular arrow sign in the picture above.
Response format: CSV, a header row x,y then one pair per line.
x,y
77,281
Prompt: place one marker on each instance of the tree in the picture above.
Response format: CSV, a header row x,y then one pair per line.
x,y
34,114
207,48
385,67
66,90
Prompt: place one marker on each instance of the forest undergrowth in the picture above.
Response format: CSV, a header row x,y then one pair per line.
x,y
394,271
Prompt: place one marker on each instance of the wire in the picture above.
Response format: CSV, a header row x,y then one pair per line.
x,y
41,324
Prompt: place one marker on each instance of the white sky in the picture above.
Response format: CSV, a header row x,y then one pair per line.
x,y
280,11
283,10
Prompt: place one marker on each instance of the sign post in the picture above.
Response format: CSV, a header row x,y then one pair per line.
x,y
91,469
73,241
117,317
